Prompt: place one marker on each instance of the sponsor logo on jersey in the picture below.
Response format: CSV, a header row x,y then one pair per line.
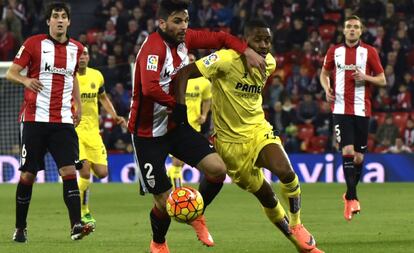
x,y
152,62
61,71
209,60
251,88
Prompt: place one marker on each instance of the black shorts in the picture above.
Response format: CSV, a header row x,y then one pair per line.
x,y
183,142
37,138
351,130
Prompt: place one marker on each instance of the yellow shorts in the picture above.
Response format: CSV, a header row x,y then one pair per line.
x,y
91,148
240,158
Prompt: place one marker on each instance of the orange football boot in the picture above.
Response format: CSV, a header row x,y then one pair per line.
x,y
159,247
201,230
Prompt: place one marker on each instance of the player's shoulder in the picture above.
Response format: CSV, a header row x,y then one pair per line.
x,y
75,42
34,39
367,46
154,44
226,55
93,71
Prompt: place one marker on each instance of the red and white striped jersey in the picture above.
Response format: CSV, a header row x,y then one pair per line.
x,y
351,97
54,64
156,65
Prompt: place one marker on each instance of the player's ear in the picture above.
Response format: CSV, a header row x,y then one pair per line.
x,y
162,24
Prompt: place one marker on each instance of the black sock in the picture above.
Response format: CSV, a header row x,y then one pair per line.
x,y
159,223
209,188
72,198
349,173
23,197
358,172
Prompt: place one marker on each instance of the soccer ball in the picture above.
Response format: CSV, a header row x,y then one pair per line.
x,y
185,204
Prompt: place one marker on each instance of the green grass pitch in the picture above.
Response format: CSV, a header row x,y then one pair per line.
x,y
235,219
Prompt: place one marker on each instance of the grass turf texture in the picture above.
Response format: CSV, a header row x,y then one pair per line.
x,y
235,220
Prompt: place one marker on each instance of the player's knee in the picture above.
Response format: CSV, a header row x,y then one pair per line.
x,y
348,150
160,201
213,166
101,173
67,170
27,177
287,176
358,158
216,170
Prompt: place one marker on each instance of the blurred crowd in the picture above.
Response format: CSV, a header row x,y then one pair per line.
x,y
294,101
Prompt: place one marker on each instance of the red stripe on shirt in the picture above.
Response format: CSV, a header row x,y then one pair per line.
x,y
349,93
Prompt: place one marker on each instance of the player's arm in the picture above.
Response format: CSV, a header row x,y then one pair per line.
x,y
21,60
149,66
325,75
205,108
179,114
78,104
13,74
217,40
107,104
181,80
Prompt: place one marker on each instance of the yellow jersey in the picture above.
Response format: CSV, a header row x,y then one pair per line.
x,y
198,89
91,85
237,99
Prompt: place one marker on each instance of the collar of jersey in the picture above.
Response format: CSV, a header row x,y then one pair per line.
x,y
356,45
57,42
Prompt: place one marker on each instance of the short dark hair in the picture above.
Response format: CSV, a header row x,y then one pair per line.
x,y
56,6
168,7
254,23
353,17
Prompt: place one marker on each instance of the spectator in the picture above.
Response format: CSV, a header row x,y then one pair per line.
x,y
279,118
111,73
382,101
139,18
102,12
398,148
298,34
307,110
7,43
403,99
274,91
109,35
97,60
121,99
292,143
14,25
323,122
409,133
130,38
387,132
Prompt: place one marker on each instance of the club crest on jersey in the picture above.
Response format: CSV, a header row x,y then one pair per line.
x,y
93,85
209,60
152,62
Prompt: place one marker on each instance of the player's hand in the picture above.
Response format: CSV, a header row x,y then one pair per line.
x,y
255,60
201,119
179,114
358,75
33,84
330,97
77,117
120,121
